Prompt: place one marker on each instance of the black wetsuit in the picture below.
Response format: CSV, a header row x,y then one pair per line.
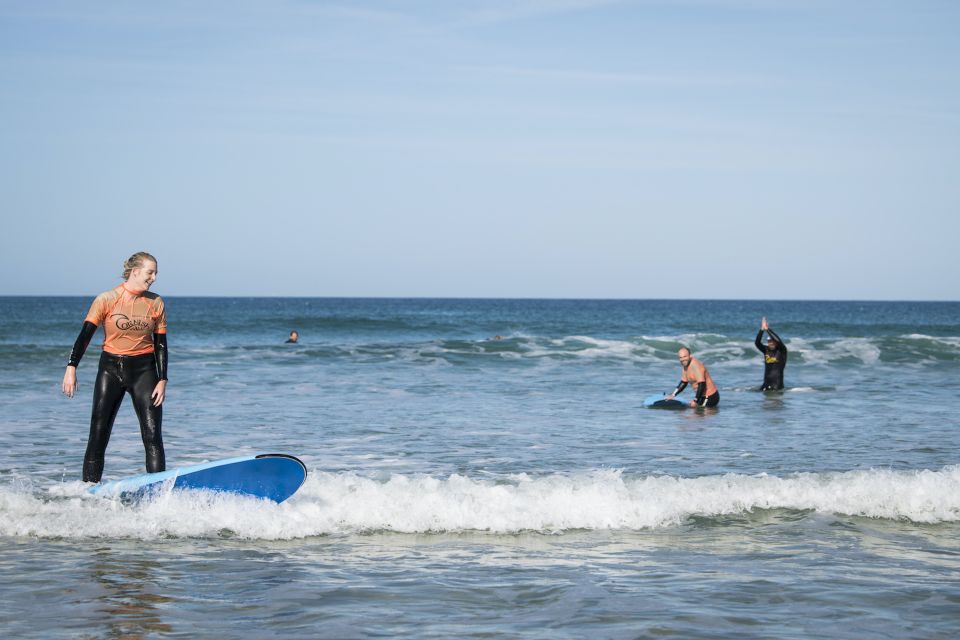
x,y
137,375
774,361
702,399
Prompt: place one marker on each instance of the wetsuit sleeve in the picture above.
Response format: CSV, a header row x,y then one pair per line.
x,y
680,387
160,349
701,392
83,341
757,343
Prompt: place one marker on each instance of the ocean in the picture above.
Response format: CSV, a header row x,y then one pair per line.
x,y
486,468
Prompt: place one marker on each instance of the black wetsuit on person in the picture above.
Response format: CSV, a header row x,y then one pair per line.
x,y
117,375
702,399
137,332
774,361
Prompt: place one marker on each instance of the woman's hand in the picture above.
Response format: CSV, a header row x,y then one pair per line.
x,y
159,393
69,386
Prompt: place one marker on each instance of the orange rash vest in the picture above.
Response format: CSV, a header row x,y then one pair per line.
x,y
129,320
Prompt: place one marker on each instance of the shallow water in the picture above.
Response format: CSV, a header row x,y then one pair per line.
x,y
466,486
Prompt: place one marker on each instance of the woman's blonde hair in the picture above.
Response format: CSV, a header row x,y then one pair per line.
x,y
135,262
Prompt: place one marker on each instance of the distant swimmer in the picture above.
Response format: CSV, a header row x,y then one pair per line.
x,y
294,336
133,360
692,370
774,357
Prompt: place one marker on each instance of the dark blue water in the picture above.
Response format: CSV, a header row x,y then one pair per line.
x,y
486,467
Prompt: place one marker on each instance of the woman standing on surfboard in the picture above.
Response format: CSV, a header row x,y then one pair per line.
x,y
134,361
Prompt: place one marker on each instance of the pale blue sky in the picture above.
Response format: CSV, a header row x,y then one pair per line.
x,y
502,148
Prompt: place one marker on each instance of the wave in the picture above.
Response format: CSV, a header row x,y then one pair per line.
x,y
713,348
347,502
913,348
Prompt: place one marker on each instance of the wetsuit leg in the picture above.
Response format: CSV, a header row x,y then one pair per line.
x,y
107,395
141,380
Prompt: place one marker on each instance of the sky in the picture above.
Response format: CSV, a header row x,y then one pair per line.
x,y
705,149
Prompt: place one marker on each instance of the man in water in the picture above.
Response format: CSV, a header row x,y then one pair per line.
x,y
774,357
294,336
692,370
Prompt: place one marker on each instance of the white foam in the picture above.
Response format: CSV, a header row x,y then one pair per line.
x,y
952,341
949,343
646,349
827,351
572,346
333,503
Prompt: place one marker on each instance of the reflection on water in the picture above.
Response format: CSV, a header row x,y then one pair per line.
x,y
773,401
130,594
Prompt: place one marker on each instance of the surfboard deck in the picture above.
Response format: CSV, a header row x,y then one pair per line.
x,y
660,402
273,476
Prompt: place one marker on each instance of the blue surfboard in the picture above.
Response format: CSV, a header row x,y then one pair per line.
x,y
661,402
274,476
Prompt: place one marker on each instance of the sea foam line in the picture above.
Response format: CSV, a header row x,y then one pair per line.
x,y
348,502
611,500
712,348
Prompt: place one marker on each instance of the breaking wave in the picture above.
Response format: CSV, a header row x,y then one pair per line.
x,y
347,502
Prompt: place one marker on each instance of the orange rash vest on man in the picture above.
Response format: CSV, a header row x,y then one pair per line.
x,y
129,320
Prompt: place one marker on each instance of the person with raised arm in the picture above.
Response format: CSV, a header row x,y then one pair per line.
x,y
774,357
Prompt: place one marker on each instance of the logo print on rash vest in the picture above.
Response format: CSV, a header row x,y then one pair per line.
x,y
126,324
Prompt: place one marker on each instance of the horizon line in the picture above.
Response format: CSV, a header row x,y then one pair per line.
x,y
514,298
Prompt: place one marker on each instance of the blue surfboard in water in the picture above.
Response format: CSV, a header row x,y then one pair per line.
x,y
661,402
274,476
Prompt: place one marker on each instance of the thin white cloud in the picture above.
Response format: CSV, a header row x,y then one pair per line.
x,y
661,79
485,13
